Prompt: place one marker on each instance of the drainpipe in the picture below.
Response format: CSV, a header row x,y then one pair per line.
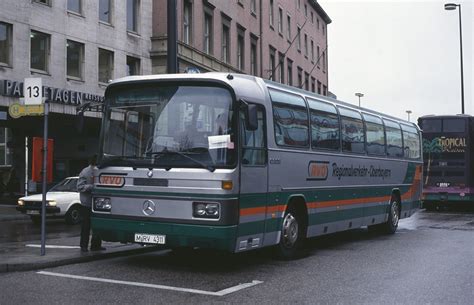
x,y
172,45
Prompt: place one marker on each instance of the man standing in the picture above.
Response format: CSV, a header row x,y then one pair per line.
x,y
85,183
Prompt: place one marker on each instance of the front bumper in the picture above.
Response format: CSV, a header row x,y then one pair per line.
x,y
177,235
31,210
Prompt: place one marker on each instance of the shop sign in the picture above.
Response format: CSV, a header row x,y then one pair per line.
x,y
16,110
53,95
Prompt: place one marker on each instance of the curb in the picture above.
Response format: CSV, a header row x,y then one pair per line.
x,y
4,268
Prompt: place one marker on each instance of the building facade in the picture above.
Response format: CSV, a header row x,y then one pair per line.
x,y
76,47
282,40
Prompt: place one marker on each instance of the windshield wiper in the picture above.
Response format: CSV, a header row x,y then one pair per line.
x,y
171,152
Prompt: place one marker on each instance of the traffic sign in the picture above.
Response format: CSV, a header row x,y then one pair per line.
x,y
16,110
33,91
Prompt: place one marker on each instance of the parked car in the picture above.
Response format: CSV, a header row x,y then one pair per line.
x,y
62,200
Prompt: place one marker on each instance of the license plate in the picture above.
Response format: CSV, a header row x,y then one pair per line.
x,y
150,238
32,212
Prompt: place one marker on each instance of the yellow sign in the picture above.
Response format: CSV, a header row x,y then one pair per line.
x,y
17,110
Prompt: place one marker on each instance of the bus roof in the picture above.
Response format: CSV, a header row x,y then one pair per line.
x,y
228,77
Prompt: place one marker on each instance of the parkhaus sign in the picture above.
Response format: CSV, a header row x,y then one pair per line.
x,y
54,95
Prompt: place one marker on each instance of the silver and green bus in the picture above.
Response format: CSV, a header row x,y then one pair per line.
x,y
234,162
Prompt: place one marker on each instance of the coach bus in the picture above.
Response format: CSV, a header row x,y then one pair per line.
x,y
448,154
234,162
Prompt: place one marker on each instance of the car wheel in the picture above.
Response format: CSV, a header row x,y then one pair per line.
x,y
73,215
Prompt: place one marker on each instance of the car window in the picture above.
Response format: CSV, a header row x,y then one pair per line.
x,y
67,185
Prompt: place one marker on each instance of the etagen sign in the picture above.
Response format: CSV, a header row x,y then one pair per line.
x,y
54,95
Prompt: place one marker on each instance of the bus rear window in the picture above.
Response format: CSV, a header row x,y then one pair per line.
x,y
431,125
453,125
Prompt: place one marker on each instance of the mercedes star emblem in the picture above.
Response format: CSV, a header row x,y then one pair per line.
x,y
149,207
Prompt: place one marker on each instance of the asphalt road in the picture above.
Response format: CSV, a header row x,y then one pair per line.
x,y
428,261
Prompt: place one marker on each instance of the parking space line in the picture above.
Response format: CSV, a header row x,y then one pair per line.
x,y
164,287
52,246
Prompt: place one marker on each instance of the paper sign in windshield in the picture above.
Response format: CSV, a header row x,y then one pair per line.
x,y
216,142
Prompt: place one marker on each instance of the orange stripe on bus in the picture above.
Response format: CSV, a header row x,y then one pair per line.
x,y
324,204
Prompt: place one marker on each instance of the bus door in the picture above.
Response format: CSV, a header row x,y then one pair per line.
x,y
253,183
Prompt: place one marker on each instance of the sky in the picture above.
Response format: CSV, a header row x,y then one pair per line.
x,y
402,55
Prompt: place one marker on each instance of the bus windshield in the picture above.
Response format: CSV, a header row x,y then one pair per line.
x,y
169,126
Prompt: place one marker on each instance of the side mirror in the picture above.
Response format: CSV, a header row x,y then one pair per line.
x,y
251,118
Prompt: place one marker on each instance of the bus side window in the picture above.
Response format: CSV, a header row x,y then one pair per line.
x,y
375,135
253,142
394,139
353,136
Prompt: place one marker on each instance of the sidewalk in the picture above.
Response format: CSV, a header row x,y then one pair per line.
x,y
25,255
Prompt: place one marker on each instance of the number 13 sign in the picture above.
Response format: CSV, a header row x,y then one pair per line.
x,y
33,91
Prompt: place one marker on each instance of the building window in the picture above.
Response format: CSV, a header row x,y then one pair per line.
x,y
272,63
306,81
317,22
280,20
289,67
305,10
207,33
281,67
253,6
47,2
306,45
271,13
324,61
298,4
253,55
313,84
312,18
298,40
74,6
300,77
6,44
133,66
5,153
323,29
75,59
106,65
187,22
325,90
318,57
40,44
225,42
105,11
132,15
319,87
288,32
312,51
240,49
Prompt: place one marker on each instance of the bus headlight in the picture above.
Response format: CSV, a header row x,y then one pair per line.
x,y
102,204
206,210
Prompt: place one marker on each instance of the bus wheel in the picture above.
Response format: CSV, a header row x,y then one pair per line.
x,y
292,235
393,217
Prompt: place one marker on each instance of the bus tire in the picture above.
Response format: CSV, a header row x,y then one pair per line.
x,y
390,227
293,235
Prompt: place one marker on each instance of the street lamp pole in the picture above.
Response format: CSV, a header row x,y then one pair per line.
x,y
358,94
408,113
450,7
